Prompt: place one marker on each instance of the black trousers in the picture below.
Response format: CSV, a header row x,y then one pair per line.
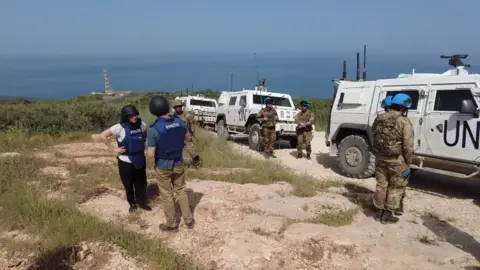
x,y
134,181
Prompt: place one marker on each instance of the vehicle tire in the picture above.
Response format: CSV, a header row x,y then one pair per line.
x,y
355,158
222,131
254,137
293,142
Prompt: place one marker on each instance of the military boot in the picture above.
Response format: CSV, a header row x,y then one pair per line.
x,y
272,154
378,215
166,228
133,207
299,154
388,218
308,156
399,211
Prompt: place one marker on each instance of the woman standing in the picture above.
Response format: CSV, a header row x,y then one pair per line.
x,y
130,134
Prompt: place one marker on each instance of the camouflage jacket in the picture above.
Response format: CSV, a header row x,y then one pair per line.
x,y
393,136
272,117
187,118
307,118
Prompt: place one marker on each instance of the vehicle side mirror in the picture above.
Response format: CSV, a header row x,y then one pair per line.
x,y
468,107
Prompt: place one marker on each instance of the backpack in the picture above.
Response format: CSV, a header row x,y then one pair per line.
x,y
387,139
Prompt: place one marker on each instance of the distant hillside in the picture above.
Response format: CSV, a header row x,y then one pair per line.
x,y
10,98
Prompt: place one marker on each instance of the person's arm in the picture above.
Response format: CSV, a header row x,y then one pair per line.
x,y
191,122
107,134
276,114
407,142
151,142
188,136
260,115
311,120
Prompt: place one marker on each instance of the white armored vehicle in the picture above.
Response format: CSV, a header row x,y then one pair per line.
x,y
444,114
236,115
203,109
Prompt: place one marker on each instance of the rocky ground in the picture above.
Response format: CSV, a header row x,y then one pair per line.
x,y
254,226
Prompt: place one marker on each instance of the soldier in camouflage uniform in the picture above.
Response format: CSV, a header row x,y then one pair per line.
x,y
268,118
304,120
189,151
393,148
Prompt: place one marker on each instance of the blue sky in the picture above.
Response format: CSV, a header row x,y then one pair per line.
x,y
50,27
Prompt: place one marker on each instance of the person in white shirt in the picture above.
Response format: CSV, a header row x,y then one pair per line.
x,y
131,135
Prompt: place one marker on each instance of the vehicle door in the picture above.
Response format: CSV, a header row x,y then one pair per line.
x,y
242,110
415,113
231,113
451,133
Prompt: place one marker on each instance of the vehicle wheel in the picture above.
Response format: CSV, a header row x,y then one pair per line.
x,y
222,131
354,157
294,142
254,138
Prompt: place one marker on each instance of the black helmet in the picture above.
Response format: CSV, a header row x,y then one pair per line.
x,y
128,110
158,106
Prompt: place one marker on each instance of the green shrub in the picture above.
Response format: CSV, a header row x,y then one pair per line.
x,y
93,114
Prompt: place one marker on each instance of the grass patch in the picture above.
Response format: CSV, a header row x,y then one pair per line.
x,y
217,154
23,141
260,231
60,224
336,219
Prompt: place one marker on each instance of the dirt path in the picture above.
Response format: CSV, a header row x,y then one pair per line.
x,y
265,227
441,213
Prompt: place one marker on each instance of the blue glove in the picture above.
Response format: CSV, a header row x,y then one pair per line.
x,y
406,173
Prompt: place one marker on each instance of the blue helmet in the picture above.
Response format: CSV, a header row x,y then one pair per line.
x,y
387,102
402,100
268,101
305,103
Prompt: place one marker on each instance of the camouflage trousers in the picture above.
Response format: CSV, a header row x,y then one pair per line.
x,y
189,151
172,186
269,136
391,185
304,140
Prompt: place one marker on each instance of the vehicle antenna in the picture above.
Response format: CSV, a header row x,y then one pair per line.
x,y
364,62
358,66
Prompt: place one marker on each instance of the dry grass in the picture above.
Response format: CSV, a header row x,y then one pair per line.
x,y
58,223
217,154
425,239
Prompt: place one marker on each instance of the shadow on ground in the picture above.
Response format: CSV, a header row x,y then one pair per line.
x,y
328,162
62,258
447,186
193,198
360,196
452,235
280,144
153,191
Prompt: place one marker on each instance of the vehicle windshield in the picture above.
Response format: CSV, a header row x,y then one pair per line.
x,y
205,103
277,101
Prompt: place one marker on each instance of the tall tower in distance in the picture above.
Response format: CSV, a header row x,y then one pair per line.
x,y
108,88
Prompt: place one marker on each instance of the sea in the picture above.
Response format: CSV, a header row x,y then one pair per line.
x,y
298,74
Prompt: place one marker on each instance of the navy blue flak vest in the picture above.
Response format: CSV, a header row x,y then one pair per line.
x,y
134,143
171,138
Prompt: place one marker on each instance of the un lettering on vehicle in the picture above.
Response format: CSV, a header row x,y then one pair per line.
x,y
461,134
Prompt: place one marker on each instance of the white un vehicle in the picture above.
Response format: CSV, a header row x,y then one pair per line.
x,y
444,114
236,115
203,109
